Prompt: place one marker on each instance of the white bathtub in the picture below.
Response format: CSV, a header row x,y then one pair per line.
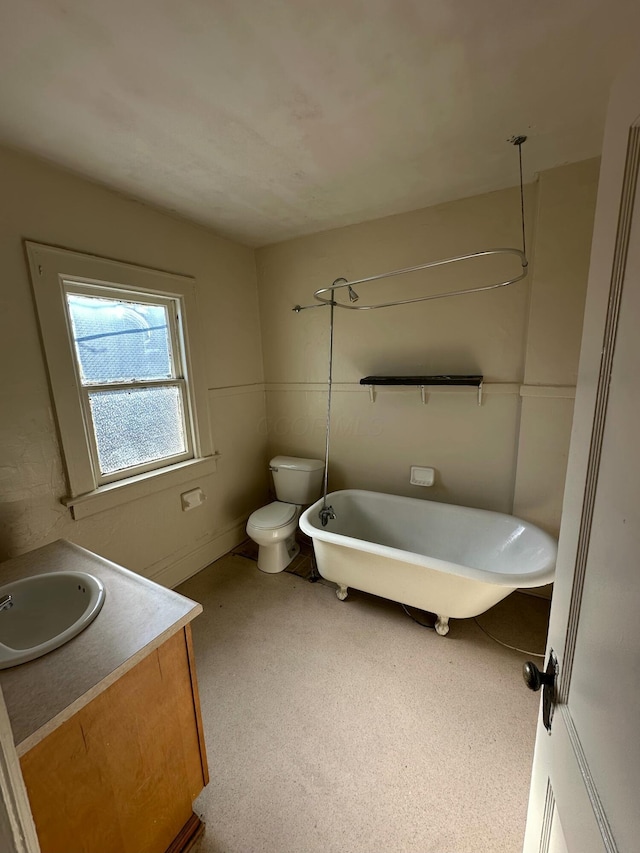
x,y
450,560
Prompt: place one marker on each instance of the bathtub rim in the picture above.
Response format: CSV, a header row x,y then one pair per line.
x,y
527,580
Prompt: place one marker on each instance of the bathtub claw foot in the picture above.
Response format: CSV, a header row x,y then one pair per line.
x,y
442,625
342,592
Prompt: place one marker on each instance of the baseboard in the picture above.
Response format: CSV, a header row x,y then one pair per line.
x,y
189,565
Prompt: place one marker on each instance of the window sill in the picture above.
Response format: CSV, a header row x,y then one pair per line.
x,y
141,486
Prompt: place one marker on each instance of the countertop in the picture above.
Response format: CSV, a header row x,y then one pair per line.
x,y
137,617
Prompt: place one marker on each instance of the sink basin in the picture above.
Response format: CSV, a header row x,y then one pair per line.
x,y
44,612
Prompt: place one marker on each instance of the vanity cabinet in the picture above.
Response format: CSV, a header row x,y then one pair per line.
x,y
120,775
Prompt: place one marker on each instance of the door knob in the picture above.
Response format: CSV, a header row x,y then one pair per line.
x,y
533,678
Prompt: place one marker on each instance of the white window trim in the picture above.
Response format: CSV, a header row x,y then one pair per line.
x,y
50,267
181,380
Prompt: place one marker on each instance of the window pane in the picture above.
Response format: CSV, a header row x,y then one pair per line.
x,y
119,341
136,426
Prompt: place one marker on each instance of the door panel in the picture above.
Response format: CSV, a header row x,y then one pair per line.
x,y
605,680
586,773
557,841
558,793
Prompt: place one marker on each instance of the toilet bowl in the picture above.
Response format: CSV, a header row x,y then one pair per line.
x,y
273,527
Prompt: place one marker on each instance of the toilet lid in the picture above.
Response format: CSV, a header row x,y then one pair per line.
x,y
273,515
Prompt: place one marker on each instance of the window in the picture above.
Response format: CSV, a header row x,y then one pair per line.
x,y
130,379
120,347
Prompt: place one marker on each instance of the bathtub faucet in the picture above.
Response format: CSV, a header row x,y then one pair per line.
x,y
326,514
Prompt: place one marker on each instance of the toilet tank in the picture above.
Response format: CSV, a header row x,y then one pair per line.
x,y
297,480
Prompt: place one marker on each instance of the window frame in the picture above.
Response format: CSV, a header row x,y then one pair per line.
x,y
53,272
180,379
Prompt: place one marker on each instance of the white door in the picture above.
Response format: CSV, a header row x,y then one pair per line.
x,y
17,830
585,788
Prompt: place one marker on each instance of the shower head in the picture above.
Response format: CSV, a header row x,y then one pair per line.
x,y
353,296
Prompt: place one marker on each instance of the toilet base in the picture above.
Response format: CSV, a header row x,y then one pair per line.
x,y
275,558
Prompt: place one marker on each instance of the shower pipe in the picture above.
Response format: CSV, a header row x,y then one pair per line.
x,y
327,512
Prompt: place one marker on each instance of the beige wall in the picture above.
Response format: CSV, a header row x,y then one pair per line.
x,y
529,332
524,340
150,535
566,207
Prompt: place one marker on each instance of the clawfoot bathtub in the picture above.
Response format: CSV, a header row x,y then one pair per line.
x,y
450,560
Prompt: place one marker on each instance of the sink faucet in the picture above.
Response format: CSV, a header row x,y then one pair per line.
x,y
6,602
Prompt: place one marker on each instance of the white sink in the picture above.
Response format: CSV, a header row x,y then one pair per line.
x,y
44,612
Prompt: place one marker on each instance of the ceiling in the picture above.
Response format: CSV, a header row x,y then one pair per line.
x,y
268,119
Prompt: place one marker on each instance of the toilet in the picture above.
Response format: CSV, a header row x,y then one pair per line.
x,y
298,482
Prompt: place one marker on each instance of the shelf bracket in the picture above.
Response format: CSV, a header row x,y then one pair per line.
x,y
423,383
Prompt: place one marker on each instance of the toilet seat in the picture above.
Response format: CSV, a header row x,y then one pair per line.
x,y
273,516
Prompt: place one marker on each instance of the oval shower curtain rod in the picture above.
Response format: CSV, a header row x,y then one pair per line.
x,y
340,283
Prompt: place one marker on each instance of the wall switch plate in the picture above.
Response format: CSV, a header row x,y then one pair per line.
x,y
422,476
192,499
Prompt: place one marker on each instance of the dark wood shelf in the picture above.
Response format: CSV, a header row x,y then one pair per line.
x,y
442,379
473,380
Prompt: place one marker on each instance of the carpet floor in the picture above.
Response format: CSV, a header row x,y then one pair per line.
x,y
345,727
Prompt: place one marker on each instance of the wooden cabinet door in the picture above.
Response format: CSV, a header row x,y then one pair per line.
x,y
121,775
